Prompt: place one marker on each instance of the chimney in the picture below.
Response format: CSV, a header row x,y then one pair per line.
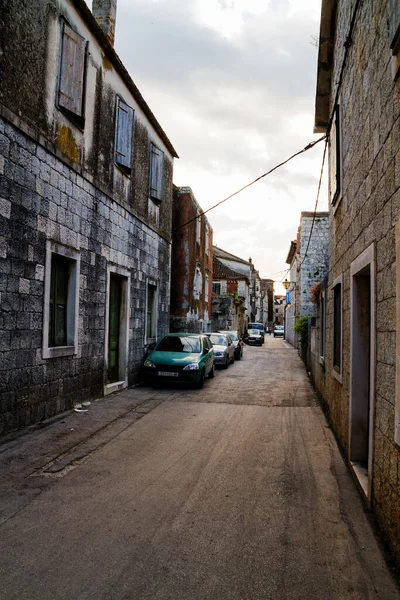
x,y
105,12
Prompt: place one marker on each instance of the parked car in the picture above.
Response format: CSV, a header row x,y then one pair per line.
x,y
237,343
279,331
181,358
224,350
254,337
258,326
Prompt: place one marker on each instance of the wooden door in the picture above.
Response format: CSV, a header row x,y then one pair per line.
x,y
114,328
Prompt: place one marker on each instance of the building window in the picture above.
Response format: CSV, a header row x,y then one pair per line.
x,y
216,288
394,20
335,171
198,228
151,312
61,297
123,134
156,173
71,82
206,285
322,326
207,241
337,326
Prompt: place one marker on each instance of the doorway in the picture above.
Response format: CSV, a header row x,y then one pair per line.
x,y
362,376
117,330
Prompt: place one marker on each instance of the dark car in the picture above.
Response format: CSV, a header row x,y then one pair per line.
x,y
258,326
279,331
237,343
254,337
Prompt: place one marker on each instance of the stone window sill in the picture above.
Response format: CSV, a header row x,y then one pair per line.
x,y
59,351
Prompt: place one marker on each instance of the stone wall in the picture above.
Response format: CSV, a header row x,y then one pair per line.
x,y
314,266
42,199
364,217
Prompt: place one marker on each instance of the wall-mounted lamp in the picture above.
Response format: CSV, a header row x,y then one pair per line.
x,y
286,284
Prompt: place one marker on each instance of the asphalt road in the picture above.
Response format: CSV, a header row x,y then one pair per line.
x,y
236,491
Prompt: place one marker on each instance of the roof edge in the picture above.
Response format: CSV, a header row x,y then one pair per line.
x,y
325,65
111,54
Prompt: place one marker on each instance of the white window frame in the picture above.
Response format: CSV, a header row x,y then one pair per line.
x,y
335,373
206,287
153,338
198,228
335,159
72,303
115,386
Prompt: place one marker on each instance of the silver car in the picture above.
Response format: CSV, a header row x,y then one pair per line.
x,y
224,350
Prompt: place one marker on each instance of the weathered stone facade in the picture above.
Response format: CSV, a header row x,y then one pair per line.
x,y
230,296
365,192
191,276
63,198
308,260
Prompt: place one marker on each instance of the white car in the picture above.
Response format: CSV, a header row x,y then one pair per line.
x,y
224,350
254,337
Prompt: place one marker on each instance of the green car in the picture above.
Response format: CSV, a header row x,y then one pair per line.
x,y
181,358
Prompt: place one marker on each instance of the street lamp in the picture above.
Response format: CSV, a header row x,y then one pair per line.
x,y
286,284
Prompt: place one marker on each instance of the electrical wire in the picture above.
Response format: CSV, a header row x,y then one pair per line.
x,y
305,149
347,44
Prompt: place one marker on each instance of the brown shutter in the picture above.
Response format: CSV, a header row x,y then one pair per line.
x,y
72,67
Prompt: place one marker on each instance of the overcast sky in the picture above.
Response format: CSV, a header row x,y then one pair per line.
x,y
232,83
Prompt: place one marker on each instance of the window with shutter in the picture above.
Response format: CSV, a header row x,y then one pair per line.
x,y
156,173
394,20
335,157
151,323
123,134
72,71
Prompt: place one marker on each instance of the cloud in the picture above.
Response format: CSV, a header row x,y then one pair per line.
x,y
232,82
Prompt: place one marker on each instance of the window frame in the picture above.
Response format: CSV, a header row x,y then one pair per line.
x,y
71,348
74,113
337,370
216,283
335,159
124,163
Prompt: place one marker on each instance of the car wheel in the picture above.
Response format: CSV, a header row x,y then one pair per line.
x,y
200,383
211,374
238,357
233,359
226,365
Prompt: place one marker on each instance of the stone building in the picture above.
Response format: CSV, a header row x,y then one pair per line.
x,y
191,272
230,298
361,112
267,289
308,260
85,212
279,310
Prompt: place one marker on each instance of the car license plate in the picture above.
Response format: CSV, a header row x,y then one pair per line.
x,y
168,374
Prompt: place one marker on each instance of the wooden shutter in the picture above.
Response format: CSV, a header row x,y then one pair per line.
x,y
72,68
156,173
123,136
394,7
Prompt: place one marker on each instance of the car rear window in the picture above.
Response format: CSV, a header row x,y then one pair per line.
x,y
258,326
218,340
178,343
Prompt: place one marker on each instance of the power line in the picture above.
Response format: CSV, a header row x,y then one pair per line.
x,y
347,44
305,149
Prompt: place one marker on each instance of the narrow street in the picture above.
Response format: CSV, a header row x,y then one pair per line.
x,y
236,491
